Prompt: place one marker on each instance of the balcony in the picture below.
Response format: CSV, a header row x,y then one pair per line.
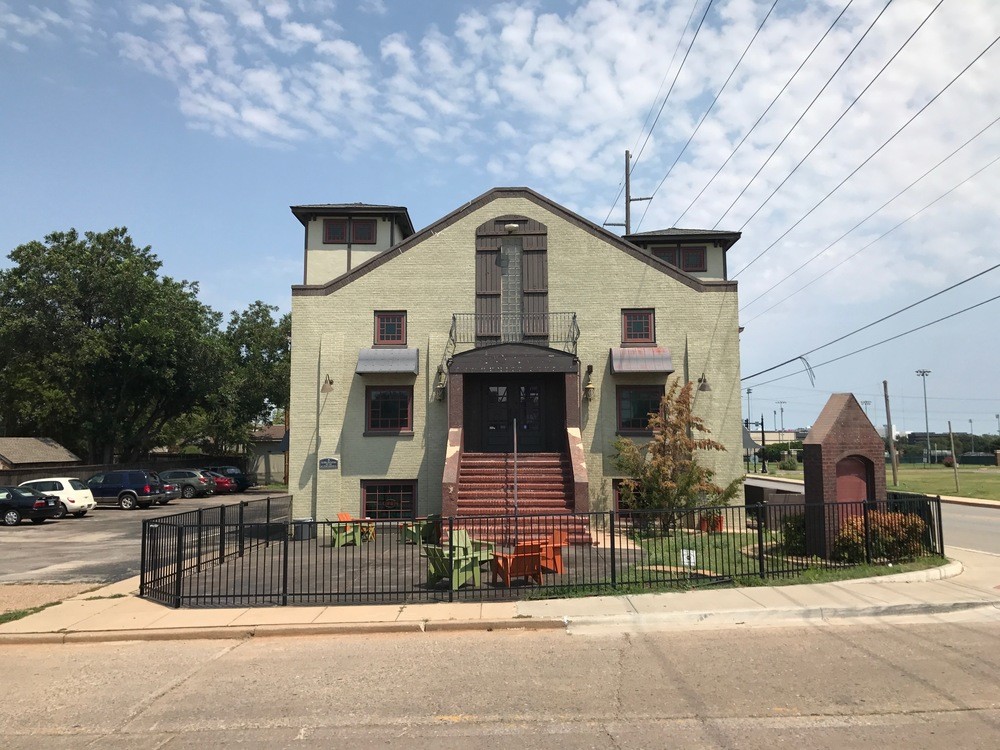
x,y
558,330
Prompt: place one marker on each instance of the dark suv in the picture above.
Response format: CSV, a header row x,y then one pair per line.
x,y
135,488
232,472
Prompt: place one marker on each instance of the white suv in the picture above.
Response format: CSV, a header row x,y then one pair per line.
x,y
74,496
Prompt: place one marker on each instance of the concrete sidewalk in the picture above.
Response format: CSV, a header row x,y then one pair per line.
x,y
968,586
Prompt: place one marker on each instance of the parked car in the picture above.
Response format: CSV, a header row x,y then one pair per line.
x,y
23,502
223,484
170,492
192,482
242,479
135,488
75,498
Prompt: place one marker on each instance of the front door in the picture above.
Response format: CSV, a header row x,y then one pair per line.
x,y
510,402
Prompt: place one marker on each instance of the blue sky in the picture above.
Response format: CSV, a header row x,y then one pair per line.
x,y
197,123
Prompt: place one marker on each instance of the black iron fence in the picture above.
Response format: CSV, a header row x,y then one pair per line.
x,y
256,555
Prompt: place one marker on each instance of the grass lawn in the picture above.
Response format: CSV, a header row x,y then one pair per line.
x,y
974,481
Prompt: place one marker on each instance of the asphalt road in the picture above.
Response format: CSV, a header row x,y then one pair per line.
x,y
971,527
101,547
887,686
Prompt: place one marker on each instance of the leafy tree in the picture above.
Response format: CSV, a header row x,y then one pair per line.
x,y
101,352
665,474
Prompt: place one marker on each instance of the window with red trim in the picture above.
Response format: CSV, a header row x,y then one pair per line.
x,y
390,328
335,231
693,259
391,500
363,231
635,404
638,327
389,409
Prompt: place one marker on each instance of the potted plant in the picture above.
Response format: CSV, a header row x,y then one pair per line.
x,y
710,520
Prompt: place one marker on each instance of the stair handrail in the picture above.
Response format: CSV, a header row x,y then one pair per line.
x,y
515,481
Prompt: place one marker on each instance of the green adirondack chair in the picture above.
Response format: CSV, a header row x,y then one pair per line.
x,y
422,531
343,534
481,551
453,565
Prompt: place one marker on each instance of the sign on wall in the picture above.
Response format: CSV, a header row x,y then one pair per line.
x,y
329,463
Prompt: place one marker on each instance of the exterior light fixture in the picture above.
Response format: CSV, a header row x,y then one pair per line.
x,y
510,228
327,386
588,392
703,383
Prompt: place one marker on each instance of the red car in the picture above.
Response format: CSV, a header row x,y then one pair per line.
x,y
223,483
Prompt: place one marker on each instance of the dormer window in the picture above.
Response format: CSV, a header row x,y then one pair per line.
x,y
360,231
691,259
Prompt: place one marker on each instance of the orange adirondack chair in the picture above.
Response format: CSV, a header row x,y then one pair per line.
x,y
552,560
524,562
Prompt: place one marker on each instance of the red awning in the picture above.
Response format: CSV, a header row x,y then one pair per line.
x,y
641,359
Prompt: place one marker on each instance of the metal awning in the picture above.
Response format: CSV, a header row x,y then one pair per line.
x,y
749,444
380,360
641,359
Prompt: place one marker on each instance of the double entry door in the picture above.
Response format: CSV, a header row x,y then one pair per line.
x,y
510,401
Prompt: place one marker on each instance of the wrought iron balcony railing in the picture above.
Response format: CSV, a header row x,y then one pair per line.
x,y
550,329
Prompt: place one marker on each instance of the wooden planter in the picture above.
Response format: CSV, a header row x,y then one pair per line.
x,y
710,523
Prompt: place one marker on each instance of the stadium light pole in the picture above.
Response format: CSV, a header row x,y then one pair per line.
x,y
927,430
973,436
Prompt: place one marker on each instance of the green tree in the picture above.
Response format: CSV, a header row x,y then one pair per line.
x,y
102,352
664,474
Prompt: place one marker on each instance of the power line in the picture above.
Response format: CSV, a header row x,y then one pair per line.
x,y
870,156
880,320
673,82
777,96
709,110
804,113
869,216
652,105
872,346
842,115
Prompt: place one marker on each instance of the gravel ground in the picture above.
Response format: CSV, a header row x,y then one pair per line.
x,y
15,596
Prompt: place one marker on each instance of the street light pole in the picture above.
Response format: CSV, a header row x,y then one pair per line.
x,y
749,391
927,430
973,436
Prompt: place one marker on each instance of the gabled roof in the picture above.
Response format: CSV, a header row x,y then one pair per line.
x,y
309,211
20,451
844,410
701,285
674,235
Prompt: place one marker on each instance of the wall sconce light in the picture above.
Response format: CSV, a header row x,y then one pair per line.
x,y
703,383
440,383
510,228
588,388
327,386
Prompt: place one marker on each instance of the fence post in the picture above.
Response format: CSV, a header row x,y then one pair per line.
x,y
222,533
868,533
267,522
200,532
178,571
143,563
761,521
242,532
451,560
940,527
614,557
284,565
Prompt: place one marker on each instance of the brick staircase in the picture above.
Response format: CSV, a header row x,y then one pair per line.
x,y
544,495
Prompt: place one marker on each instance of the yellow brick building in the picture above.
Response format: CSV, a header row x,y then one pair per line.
x,y
417,354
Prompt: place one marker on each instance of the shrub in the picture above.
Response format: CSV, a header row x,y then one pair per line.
x,y
788,464
793,536
894,536
949,461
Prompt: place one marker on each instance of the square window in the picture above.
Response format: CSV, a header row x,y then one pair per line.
x,y
335,231
693,259
390,328
638,327
635,404
389,499
363,231
389,409
669,254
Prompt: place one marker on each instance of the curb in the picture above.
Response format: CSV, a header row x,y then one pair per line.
x,y
229,632
949,570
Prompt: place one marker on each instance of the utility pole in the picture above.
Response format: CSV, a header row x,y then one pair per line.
x,y
890,437
781,406
927,430
629,200
954,458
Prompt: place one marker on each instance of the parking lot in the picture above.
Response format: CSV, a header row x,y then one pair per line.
x,y
101,547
